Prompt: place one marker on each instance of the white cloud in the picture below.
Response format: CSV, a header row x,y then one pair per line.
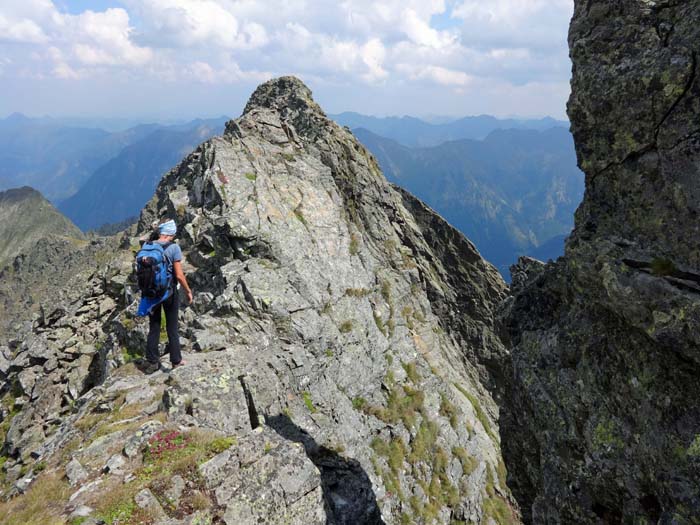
x,y
229,73
418,30
26,31
23,21
373,54
187,23
64,71
515,23
105,39
439,45
90,38
437,74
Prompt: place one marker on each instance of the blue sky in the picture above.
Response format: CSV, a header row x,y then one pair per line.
x,y
185,58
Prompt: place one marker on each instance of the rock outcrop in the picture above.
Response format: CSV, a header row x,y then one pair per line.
x,y
52,272
25,218
603,420
340,351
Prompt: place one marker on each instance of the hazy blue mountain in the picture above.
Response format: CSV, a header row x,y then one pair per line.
x,y
513,193
411,131
122,186
54,158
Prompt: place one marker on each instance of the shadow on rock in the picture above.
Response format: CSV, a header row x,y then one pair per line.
x,y
347,490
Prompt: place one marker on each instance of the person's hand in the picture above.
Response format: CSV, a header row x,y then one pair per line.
x,y
190,299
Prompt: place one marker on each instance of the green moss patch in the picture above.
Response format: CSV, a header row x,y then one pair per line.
x,y
306,396
605,437
412,372
480,414
354,244
448,410
694,448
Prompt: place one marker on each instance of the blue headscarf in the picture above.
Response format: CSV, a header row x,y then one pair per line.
x,y
168,228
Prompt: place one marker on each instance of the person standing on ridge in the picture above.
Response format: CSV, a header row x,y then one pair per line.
x,y
168,300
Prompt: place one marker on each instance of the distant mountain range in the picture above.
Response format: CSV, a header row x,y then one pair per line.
x,y
410,131
121,187
56,157
514,193
510,185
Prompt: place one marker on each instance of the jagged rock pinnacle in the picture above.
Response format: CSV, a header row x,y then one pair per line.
x,y
281,93
292,100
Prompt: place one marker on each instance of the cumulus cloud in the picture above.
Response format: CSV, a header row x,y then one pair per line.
x,y
105,39
23,22
449,44
89,38
21,31
187,23
535,24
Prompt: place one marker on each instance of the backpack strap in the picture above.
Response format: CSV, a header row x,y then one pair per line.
x,y
171,266
165,246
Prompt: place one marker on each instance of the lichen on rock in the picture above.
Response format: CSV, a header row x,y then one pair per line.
x,y
605,354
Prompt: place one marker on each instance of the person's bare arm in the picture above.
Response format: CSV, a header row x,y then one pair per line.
x,y
180,276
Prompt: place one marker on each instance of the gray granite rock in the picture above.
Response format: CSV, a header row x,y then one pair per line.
x,y
147,501
115,465
266,478
81,511
134,444
174,490
75,472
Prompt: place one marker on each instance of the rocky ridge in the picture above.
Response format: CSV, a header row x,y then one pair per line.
x,y
605,353
51,272
341,348
25,218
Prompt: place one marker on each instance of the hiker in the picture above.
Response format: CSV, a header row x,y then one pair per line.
x,y
161,256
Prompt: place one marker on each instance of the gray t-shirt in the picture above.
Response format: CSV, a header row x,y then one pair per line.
x,y
172,252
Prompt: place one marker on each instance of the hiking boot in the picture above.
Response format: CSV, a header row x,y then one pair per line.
x,y
149,368
177,365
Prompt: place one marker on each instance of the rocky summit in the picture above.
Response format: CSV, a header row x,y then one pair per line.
x,y
340,352
605,351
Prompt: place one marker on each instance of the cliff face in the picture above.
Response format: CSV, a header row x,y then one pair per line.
x,y
338,351
605,347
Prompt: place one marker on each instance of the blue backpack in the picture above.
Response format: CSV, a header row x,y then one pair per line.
x,y
153,269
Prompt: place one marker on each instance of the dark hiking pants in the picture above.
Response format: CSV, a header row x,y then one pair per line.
x,y
171,306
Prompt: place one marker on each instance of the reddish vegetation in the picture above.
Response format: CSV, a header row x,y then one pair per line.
x,y
163,442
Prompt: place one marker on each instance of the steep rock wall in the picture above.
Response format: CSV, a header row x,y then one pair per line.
x,y
605,351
